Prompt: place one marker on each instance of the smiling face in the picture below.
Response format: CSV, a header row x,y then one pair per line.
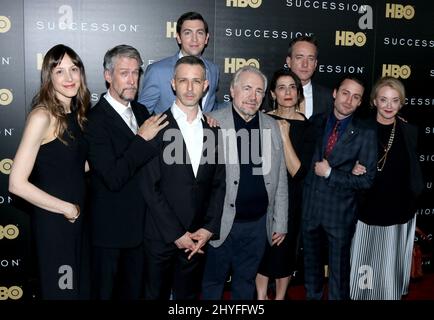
x,y
192,38
388,103
124,79
66,78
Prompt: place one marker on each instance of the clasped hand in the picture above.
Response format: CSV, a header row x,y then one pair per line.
x,y
193,241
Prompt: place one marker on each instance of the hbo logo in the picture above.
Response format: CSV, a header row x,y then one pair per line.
x,y
396,71
398,11
348,38
244,3
233,64
9,232
13,293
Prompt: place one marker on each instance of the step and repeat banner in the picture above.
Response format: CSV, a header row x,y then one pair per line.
x,y
367,38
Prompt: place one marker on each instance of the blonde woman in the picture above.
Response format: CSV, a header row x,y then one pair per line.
x,y
383,241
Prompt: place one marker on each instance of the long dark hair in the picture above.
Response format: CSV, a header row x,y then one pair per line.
x,y
46,97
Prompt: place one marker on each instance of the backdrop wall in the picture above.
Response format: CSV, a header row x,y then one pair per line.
x,y
368,38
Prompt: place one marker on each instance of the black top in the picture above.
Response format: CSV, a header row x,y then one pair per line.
x,y
280,261
59,168
390,200
303,144
252,197
59,171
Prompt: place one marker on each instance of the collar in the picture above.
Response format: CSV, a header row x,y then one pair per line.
x,y
307,88
179,114
180,55
119,107
238,117
343,123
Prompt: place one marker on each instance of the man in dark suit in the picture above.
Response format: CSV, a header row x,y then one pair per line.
x,y
302,59
329,198
184,188
192,36
118,133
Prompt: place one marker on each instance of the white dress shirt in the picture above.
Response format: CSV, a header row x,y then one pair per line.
x,y
126,115
192,134
308,99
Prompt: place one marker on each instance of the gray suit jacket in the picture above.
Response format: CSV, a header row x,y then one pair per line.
x,y
273,169
157,93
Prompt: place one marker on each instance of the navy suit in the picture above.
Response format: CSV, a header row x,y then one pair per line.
x,y
157,93
329,205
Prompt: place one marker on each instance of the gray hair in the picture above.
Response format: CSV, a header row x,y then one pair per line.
x,y
122,50
251,69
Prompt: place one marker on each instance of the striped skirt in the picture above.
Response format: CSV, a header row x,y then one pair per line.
x,y
381,261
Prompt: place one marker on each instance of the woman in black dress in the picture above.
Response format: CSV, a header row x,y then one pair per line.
x,y
280,261
383,241
48,171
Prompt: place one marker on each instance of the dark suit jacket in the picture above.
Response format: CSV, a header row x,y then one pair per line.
x,y
410,135
178,201
116,154
332,201
322,99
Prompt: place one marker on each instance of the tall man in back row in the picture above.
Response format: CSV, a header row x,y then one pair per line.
x,y
192,36
303,59
329,197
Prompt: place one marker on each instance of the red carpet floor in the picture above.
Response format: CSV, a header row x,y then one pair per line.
x,y
421,289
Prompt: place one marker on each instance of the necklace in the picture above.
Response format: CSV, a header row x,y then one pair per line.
x,y
382,161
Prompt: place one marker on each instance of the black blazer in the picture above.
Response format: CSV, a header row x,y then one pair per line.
x,y
410,135
116,154
322,99
178,201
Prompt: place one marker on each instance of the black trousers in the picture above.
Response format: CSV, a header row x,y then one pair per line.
x,y
117,273
169,270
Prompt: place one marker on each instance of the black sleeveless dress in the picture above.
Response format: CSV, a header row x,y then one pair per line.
x,y
281,261
59,171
